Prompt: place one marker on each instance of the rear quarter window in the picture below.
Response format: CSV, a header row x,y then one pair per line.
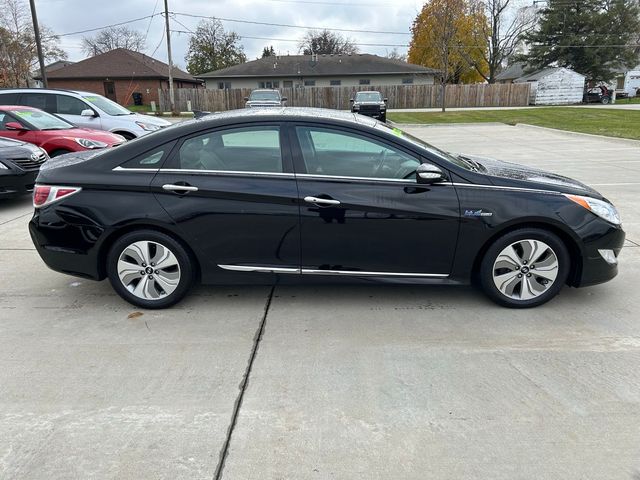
x,y
150,160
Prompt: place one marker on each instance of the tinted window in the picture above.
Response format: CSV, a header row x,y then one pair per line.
x,y
41,120
337,153
69,105
151,159
368,97
8,99
250,149
42,101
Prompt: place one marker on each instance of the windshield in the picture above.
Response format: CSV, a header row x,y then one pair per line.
x,y
456,160
107,106
368,97
42,120
261,96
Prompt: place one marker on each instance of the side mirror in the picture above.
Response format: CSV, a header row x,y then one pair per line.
x,y
385,100
352,100
284,99
428,173
88,113
15,126
246,99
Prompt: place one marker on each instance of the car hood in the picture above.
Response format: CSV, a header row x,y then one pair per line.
x,y
368,103
509,174
9,146
263,103
160,122
88,133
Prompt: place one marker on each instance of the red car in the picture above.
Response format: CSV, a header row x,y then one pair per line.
x,y
55,135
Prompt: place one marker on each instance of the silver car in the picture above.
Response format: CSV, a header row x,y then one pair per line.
x,y
85,109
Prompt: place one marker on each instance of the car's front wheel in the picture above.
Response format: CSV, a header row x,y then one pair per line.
x,y
525,268
150,269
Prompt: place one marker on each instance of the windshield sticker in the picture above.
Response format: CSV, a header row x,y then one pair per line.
x,y
398,132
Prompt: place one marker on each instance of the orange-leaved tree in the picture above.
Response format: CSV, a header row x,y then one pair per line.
x,y
445,37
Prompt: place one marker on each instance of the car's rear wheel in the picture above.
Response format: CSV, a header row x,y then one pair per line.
x,y
150,269
605,100
525,268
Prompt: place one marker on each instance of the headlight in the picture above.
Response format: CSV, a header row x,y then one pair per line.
x,y
86,143
3,166
148,126
599,207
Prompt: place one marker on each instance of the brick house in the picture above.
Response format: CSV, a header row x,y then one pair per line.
x,y
118,74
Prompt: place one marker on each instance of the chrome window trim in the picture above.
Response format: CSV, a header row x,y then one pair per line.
x,y
226,172
366,179
120,168
312,271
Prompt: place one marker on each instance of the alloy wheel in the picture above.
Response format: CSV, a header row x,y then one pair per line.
x,y
525,269
149,270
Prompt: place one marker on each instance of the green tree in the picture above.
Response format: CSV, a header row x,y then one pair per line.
x,y
212,48
592,37
268,51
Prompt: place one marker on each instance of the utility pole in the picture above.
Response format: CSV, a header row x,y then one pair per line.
x,y
36,30
166,19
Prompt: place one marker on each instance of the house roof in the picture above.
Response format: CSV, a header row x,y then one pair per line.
x,y
322,65
513,71
52,67
537,75
120,63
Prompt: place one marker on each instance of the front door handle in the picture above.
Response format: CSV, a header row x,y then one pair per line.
x,y
179,188
321,201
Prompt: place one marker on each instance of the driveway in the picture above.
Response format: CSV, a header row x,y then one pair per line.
x,y
349,382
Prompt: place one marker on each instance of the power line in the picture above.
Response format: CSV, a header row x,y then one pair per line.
x,y
285,25
108,26
341,4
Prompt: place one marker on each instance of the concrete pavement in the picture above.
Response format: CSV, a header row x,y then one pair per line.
x,y
354,382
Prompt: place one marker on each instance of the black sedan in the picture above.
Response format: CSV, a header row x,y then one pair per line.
x,y
291,195
19,165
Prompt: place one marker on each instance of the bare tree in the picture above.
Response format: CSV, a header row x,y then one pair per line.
x,y
112,38
18,53
507,22
326,41
396,55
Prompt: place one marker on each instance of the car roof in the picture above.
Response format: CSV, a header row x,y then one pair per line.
x,y
17,107
285,113
367,91
37,90
265,90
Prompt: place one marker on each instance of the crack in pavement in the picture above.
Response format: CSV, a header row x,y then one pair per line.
x,y
243,387
16,218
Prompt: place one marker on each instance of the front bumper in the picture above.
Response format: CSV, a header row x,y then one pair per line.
x,y
14,183
596,268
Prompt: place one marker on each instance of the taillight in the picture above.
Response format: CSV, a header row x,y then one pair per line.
x,y
47,194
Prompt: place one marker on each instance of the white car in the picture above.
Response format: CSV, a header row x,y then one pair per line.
x,y
85,109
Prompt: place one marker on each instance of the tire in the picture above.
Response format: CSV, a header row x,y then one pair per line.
x,y
57,153
511,255
605,100
135,253
127,136
383,118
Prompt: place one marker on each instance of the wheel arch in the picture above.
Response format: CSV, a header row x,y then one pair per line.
x,y
113,236
575,253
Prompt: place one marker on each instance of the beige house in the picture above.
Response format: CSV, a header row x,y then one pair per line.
x,y
322,70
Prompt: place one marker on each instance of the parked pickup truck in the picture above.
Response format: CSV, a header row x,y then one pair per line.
x,y
371,104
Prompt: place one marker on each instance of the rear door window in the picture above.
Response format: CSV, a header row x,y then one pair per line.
x,y
43,101
247,149
9,99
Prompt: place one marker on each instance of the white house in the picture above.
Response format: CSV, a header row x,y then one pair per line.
x,y
320,70
554,86
627,83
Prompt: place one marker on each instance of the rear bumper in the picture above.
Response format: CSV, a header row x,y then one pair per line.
x,y
78,258
595,268
17,184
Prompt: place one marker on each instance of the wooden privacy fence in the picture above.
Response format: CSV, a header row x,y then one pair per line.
x,y
399,96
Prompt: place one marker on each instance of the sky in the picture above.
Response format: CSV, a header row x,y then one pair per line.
x,y
67,16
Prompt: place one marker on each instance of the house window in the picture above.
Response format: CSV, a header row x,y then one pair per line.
x,y
309,83
224,85
365,81
271,84
407,81
288,84
335,83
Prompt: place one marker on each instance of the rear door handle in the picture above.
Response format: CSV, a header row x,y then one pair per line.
x,y
321,201
179,188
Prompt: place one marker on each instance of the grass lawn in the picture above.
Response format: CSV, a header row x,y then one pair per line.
x,y
599,121
139,108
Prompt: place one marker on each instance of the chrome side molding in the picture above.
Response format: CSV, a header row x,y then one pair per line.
x,y
311,271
